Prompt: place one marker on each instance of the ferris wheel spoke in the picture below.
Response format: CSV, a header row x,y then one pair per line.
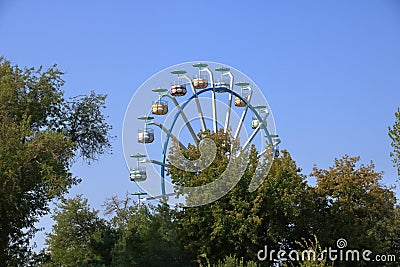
x,y
160,196
251,137
262,153
255,131
165,130
153,161
214,106
239,127
183,115
257,123
203,123
228,112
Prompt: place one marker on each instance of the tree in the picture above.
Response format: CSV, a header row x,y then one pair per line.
x,y
318,259
79,237
241,223
394,134
41,134
147,235
129,221
161,243
352,204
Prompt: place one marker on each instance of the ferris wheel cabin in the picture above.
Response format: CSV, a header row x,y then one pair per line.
x,y
221,85
254,122
244,87
200,82
159,107
138,174
239,102
145,135
261,109
178,89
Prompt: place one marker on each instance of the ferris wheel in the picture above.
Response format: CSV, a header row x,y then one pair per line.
x,y
179,102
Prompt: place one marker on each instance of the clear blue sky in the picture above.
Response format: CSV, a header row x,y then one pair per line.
x,y
330,69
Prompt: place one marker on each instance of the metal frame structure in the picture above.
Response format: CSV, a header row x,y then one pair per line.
x,y
272,140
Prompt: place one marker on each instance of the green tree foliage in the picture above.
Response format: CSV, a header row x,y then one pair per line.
x,y
40,135
241,223
147,235
230,261
130,221
316,259
79,237
394,134
284,213
134,236
347,202
352,204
